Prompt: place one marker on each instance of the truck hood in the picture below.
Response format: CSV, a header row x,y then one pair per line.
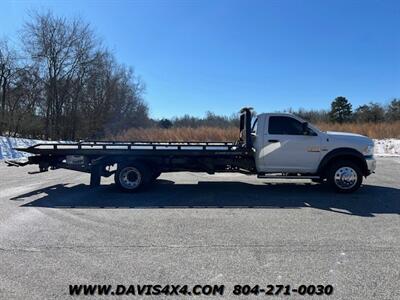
x,y
357,138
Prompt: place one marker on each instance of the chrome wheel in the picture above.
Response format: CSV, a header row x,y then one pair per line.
x,y
345,178
130,178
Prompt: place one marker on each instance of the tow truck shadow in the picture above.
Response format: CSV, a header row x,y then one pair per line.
x,y
369,200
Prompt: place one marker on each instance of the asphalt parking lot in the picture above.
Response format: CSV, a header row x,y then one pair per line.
x,y
198,229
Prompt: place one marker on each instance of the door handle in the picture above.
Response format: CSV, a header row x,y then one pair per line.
x,y
273,141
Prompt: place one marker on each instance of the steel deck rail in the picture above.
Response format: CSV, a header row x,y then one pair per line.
x,y
134,147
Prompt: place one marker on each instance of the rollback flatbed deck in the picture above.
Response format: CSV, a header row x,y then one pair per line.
x,y
150,159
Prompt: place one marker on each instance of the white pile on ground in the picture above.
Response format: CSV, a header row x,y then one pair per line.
x,y
7,145
385,147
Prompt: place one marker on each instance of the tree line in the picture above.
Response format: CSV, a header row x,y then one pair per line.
x,y
341,111
63,84
209,120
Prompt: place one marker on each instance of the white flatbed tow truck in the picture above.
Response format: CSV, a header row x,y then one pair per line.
x,y
274,145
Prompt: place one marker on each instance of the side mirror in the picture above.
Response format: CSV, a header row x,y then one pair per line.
x,y
306,131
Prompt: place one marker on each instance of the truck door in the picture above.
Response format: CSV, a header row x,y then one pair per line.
x,y
286,148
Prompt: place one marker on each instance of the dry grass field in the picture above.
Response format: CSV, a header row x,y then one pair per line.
x,y
211,134
373,130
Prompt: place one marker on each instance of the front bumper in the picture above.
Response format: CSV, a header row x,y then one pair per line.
x,y
371,164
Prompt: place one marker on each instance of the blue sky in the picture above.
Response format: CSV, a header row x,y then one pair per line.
x,y
204,55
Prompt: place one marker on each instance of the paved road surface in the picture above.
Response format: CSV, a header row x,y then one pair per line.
x,y
198,229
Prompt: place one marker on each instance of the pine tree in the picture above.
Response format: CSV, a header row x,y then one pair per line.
x,y
341,110
393,113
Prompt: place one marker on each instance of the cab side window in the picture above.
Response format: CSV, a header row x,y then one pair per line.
x,y
284,125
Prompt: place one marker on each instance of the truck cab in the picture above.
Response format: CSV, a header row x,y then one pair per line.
x,y
284,143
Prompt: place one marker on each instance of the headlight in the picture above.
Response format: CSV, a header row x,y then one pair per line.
x,y
368,150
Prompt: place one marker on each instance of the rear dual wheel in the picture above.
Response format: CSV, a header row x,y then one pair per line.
x,y
132,177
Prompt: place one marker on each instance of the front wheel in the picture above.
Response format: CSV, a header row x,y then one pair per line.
x,y
345,176
132,178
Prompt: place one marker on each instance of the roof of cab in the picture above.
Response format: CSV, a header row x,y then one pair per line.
x,y
277,114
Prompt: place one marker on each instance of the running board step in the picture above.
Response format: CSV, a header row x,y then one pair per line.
x,y
287,177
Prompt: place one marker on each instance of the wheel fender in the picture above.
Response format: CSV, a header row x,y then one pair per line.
x,y
343,153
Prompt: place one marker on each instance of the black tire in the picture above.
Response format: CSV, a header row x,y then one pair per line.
x,y
345,176
132,177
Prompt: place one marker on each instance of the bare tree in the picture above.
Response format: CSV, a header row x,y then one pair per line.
x,y
86,91
59,47
7,67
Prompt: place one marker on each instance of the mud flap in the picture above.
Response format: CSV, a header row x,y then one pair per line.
x,y
95,175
